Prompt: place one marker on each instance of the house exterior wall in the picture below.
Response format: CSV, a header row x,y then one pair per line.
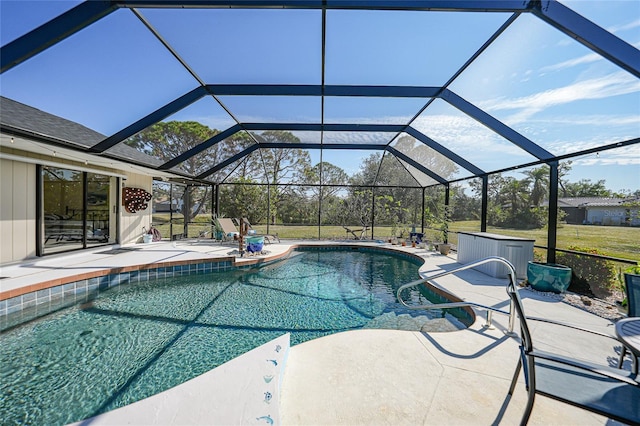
x,y
574,215
18,205
613,216
132,224
17,210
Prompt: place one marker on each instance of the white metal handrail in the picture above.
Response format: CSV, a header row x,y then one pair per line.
x,y
511,286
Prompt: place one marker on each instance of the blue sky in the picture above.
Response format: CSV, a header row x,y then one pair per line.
x,y
535,79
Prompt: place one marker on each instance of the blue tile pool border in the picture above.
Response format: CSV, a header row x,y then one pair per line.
x,y
30,305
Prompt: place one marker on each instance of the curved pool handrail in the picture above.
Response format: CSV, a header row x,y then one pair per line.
x,y
511,286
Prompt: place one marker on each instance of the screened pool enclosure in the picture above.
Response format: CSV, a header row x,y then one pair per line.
x,y
311,117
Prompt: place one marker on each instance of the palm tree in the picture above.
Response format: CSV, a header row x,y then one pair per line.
x,y
517,193
540,179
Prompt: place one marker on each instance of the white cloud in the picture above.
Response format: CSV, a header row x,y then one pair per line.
x,y
582,60
467,138
628,161
594,120
624,27
585,59
616,84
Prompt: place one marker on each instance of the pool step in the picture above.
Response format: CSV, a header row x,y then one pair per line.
x,y
391,321
243,391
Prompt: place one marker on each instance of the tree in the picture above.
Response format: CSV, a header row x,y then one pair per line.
x,y
332,178
244,200
516,193
248,167
403,204
539,179
427,157
167,140
356,207
283,165
378,170
510,203
586,188
466,207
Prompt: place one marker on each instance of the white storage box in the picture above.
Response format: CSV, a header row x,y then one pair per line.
x,y
474,246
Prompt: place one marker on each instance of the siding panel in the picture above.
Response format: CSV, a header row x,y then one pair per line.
x,y
6,210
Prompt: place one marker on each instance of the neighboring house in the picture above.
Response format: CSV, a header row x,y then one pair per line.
x,y
601,211
165,207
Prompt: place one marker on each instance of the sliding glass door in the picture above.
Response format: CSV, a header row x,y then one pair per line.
x,y
76,210
99,215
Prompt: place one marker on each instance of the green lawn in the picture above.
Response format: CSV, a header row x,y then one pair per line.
x,y
616,241
622,242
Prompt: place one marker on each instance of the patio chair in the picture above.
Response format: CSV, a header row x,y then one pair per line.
x,y
597,388
632,290
229,230
267,237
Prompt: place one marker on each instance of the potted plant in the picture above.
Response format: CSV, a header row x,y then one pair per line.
x,y
394,229
403,231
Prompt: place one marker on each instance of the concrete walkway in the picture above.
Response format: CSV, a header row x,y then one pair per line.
x,y
387,376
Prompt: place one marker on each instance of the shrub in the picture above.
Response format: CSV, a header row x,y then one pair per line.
x,y
591,276
633,270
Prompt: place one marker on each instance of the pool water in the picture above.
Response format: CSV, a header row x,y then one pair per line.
x,y
134,341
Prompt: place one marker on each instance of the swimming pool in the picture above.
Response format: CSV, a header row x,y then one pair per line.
x,y
134,341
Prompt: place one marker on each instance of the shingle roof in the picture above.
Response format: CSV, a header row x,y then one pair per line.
x,y
594,201
27,119
32,121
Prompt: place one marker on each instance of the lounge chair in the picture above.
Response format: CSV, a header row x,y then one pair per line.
x,y
362,232
597,388
267,237
229,230
632,290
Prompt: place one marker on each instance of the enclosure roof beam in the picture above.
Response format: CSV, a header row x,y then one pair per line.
x,y
496,125
53,31
228,161
156,116
372,147
433,5
588,34
444,151
201,147
297,90
391,150
88,12
415,164
317,90
552,12
317,127
283,126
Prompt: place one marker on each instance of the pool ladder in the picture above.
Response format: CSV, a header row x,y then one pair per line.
x,y
490,309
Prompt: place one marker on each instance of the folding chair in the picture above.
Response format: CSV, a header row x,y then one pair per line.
x,y
229,230
597,388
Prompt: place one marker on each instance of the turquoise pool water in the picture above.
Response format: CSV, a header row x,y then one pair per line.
x,y
134,341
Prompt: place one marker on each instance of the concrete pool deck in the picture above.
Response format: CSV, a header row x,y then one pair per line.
x,y
376,376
